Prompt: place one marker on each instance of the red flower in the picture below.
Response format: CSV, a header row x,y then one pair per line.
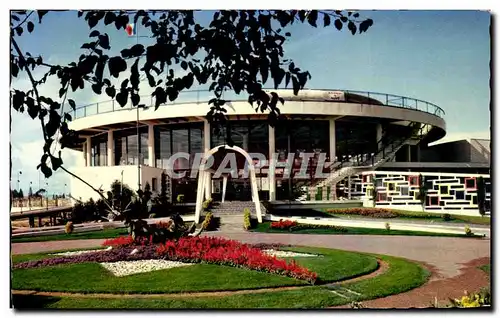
x,y
231,253
283,225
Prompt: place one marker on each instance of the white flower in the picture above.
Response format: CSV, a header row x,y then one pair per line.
x,y
125,268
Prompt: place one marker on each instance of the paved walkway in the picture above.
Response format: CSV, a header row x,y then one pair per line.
x,y
445,256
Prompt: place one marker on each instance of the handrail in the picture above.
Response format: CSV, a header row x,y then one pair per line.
x,y
203,96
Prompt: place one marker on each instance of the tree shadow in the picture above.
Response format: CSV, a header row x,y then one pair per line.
x,y
29,302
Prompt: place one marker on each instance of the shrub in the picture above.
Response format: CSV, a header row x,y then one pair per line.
x,y
180,198
247,219
210,223
447,217
68,229
207,204
387,226
468,231
283,225
469,300
164,225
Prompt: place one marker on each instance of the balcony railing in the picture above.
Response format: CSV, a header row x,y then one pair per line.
x,y
203,96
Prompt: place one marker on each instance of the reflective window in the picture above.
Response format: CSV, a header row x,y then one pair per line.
x,y
129,149
99,155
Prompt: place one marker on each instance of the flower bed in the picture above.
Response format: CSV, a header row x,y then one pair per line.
x,y
369,212
187,250
283,225
294,226
276,253
125,268
127,241
231,253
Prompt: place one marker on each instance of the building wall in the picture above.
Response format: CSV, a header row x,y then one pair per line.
x,y
103,177
447,192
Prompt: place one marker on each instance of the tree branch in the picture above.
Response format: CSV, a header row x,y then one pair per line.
x,y
22,22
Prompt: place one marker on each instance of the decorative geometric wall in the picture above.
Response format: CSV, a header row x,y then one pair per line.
x,y
445,191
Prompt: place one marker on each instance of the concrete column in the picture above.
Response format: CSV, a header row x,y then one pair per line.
x,y
333,143
271,175
409,153
89,151
379,132
349,187
224,186
151,146
84,152
206,135
111,148
208,185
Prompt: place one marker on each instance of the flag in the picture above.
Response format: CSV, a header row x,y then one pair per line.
x,y
130,29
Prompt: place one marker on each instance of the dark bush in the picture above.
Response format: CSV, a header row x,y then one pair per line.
x,y
368,212
446,217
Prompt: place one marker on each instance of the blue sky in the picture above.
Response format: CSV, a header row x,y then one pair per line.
x,y
438,56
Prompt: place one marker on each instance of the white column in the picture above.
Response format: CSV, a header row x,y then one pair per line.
x,y
89,151
224,186
409,152
151,145
349,187
206,135
379,132
208,185
111,148
84,152
271,176
332,140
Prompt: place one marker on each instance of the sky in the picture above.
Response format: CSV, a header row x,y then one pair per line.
x,y
438,56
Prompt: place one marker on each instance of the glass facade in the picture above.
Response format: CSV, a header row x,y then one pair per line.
x,y
99,155
171,139
250,135
297,136
129,149
355,138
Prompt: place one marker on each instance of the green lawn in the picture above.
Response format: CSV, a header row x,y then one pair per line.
x,y
333,265
401,276
410,215
265,227
101,234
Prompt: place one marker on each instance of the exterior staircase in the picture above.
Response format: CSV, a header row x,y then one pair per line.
x,y
387,151
231,214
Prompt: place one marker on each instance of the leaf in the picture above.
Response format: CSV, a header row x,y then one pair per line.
x,y
184,65
31,26
338,24
19,31
104,41
134,74
72,104
135,98
67,117
109,17
94,33
121,97
312,17
62,91
110,91
97,88
116,65
41,13
326,20
352,27
363,26
14,69
288,34
356,15
296,85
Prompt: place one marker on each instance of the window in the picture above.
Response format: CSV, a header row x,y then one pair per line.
x,y
99,150
130,150
154,184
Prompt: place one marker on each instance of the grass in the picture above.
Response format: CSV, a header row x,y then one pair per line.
x,y
100,234
406,215
486,268
265,228
401,276
333,265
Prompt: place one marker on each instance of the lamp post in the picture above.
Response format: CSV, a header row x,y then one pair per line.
x,y
30,193
19,179
139,147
